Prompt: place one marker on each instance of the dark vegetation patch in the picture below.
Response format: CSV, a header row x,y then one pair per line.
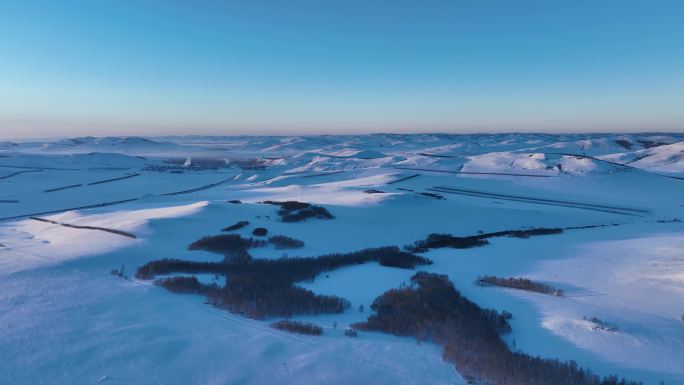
x,y
182,285
651,143
438,155
260,231
172,265
265,288
351,333
373,191
121,273
226,244
674,220
626,144
235,201
519,283
403,179
107,230
113,179
293,211
178,165
283,242
436,241
298,327
432,195
236,226
62,188
249,164
599,324
525,233
233,245
431,309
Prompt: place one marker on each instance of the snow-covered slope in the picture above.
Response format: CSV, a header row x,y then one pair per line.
x,y
667,158
100,203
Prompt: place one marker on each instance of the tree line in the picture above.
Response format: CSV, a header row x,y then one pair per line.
x,y
441,240
519,283
432,309
237,226
298,327
265,288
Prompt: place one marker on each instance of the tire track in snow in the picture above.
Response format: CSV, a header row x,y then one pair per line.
x,y
17,173
206,187
98,205
543,201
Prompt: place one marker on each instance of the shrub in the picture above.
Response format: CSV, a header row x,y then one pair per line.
x,y
260,232
298,327
351,333
117,272
236,226
599,324
235,201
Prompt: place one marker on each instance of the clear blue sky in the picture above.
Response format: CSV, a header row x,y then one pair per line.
x,y
144,67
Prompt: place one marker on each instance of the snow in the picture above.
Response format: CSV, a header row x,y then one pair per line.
x,y
667,158
30,244
642,270
66,319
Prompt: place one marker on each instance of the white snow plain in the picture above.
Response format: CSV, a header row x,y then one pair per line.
x,y
64,319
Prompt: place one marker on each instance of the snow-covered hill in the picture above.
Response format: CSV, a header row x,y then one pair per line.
x,y
73,210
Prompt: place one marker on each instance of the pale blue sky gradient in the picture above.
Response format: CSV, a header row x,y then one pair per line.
x,y
251,67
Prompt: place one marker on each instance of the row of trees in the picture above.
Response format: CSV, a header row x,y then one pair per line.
x,y
519,283
437,240
236,226
432,309
298,327
264,288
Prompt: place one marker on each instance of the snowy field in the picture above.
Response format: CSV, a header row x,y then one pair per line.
x,y
72,210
